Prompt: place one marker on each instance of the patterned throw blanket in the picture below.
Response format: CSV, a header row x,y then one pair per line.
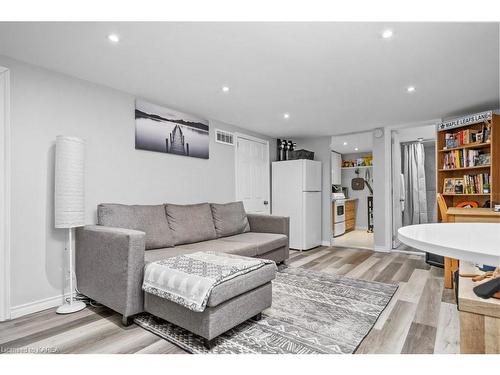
x,y
189,279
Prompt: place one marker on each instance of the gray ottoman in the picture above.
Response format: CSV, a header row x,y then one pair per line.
x,y
230,304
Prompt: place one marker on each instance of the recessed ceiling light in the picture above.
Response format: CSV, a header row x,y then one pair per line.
x,y
114,38
420,139
410,88
225,88
286,116
356,149
345,143
388,33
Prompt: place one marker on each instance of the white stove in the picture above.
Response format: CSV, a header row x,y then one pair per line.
x,y
338,200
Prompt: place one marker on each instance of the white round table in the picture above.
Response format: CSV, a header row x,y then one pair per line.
x,y
473,242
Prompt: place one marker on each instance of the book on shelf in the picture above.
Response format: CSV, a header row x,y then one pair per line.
x,y
468,136
465,158
477,184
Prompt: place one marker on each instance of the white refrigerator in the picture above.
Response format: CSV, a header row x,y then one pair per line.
x,y
296,192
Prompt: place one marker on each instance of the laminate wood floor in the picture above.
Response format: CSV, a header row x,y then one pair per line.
x,y
421,318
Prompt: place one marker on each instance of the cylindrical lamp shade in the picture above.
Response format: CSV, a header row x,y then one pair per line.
x,y
69,182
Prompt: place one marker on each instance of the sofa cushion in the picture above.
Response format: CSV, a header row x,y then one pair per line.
x,y
229,219
237,248
190,223
265,242
149,219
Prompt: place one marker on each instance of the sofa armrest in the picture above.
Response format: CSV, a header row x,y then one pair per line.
x,y
110,266
269,224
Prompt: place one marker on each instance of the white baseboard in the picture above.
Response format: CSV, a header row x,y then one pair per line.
x,y
36,306
382,249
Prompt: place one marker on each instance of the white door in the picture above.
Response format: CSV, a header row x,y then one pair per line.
x,y
252,173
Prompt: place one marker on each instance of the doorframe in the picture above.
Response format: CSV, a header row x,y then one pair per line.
x,y
390,188
237,137
5,133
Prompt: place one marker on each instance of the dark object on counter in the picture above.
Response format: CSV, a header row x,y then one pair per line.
x,y
289,148
284,148
336,188
486,268
346,192
300,154
434,260
487,289
281,144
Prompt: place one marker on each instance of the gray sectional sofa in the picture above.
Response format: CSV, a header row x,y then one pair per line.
x,y
110,256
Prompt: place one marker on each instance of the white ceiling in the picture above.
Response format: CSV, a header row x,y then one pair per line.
x,y
332,78
411,134
363,142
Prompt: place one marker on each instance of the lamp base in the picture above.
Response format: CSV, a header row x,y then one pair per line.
x,y
71,308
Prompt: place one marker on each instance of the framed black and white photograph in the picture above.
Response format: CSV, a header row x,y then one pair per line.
x,y
169,131
453,185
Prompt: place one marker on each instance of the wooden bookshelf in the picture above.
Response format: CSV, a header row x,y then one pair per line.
x,y
465,168
493,169
471,145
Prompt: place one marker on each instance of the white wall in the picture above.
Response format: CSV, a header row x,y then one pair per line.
x,y
321,148
46,104
4,194
382,215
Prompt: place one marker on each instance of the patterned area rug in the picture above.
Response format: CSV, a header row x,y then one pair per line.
x,y
312,313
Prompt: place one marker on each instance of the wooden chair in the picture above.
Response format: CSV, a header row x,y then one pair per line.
x,y
450,265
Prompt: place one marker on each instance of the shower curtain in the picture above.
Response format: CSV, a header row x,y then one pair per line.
x,y
415,210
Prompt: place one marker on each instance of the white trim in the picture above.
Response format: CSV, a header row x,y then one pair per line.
x,y
36,306
237,136
326,243
391,187
387,193
382,249
5,313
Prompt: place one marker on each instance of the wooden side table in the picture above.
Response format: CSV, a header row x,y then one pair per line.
x,y
479,318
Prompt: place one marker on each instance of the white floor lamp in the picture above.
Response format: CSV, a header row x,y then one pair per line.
x,y
69,201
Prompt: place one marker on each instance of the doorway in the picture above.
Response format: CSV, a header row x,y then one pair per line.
x,y
352,191
413,179
4,195
252,173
